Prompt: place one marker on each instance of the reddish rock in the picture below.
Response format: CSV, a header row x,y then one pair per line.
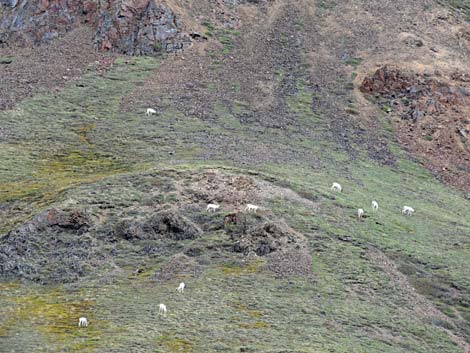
x,y
54,217
434,117
385,80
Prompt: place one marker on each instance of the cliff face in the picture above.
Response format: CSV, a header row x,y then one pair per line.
x,y
133,27
138,27
27,23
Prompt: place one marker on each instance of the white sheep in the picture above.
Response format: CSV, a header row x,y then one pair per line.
x,y
180,288
336,187
82,322
162,309
360,213
251,208
407,210
375,205
150,111
212,207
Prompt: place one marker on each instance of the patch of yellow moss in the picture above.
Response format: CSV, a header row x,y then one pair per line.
x,y
77,162
58,172
174,344
253,313
55,318
234,270
243,308
254,325
6,286
18,190
82,131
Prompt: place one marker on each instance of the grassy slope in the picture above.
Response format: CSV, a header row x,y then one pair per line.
x,y
351,306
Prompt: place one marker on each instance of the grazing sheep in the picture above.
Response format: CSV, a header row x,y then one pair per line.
x,y
336,187
180,288
212,207
375,205
251,208
82,322
150,111
407,210
360,213
162,309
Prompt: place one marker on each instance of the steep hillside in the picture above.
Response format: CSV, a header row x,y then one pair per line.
x,y
102,207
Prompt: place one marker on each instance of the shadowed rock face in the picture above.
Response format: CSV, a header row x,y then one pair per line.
x,y
133,27
139,27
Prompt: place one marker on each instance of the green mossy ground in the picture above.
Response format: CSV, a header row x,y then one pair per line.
x,y
258,311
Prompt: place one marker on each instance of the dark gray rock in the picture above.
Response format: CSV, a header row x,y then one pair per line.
x,y
165,224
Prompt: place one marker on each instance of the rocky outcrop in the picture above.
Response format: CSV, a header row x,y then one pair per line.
x,y
164,224
139,27
412,94
268,237
434,123
28,23
133,27
76,220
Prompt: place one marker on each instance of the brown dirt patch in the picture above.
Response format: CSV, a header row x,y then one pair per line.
x,y
48,67
237,190
213,186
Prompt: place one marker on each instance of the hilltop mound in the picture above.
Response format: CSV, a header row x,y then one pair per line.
x,y
62,245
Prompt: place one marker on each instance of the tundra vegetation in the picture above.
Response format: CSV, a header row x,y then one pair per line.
x,y
103,207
